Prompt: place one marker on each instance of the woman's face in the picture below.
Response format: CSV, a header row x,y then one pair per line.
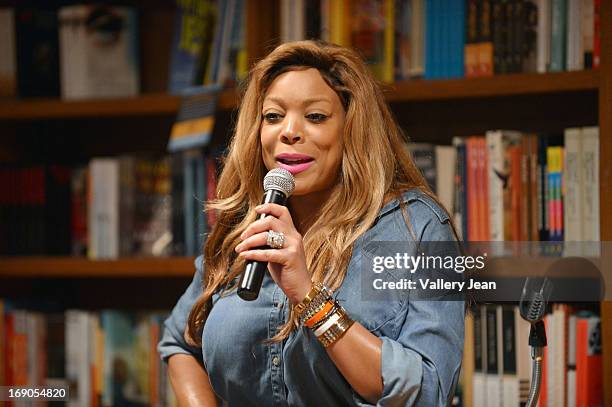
x,y
301,131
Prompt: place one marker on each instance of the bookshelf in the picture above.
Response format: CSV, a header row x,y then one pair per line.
x,y
605,188
432,110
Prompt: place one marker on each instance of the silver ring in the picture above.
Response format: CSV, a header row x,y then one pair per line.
x,y
276,240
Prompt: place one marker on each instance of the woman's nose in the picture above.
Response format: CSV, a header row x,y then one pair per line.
x,y
292,132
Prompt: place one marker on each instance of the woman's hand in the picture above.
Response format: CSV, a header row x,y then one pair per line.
x,y
287,265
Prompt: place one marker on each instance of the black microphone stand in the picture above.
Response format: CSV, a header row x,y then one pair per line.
x,y
532,307
537,341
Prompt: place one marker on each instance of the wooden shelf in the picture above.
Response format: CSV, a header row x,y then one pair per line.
x,y
406,91
144,105
494,86
71,267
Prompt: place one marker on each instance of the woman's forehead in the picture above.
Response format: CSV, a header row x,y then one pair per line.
x,y
302,86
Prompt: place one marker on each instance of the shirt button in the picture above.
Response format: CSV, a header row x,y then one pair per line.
x,y
276,361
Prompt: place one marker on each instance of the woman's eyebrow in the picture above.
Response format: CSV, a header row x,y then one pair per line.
x,y
305,102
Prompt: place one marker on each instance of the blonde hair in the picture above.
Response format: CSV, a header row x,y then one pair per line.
x,y
376,165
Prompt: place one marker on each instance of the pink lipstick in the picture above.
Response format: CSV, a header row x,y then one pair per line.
x,y
294,163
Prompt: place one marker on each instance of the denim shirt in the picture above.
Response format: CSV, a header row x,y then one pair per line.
x,y
422,340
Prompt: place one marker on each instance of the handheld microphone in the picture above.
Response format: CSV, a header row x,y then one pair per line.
x,y
278,185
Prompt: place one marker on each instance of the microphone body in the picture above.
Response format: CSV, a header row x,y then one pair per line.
x,y
278,185
252,277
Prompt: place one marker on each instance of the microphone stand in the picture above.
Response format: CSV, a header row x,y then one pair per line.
x,y
537,341
532,307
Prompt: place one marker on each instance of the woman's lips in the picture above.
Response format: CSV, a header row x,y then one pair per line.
x,y
295,168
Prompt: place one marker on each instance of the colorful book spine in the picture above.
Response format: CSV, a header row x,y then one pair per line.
x,y
589,385
555,196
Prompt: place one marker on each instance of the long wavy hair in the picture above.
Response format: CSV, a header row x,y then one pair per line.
x,y
376,166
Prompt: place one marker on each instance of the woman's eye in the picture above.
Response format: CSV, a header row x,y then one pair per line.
x,y
316,117
271,117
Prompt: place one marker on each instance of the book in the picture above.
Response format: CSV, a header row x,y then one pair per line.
x,y
574,186
292,20
79,355
555,192
590,178
445,175
194,28
8,63
589,386
472,39
575,51
402,41
493,380
424,156
460,215
417,35
558,42
121,380
37,51
588,32
103,223
544,35
196,118
372,34
499,34
596,33
480,357
228,20
508,355
485,47
99,51
528,36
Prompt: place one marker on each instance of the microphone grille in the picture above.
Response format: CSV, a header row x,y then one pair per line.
x,y
279,179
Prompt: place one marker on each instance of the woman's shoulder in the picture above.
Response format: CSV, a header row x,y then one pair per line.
x,y
414,212
417,201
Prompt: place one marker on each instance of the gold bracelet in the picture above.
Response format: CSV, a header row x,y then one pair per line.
x,y
299,307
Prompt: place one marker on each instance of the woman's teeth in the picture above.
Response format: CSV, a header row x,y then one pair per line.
x,y
293,162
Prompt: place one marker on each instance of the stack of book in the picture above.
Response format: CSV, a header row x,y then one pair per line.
x,y
106,358
441,39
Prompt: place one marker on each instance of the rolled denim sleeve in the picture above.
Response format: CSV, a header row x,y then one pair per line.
x,y
421,366
173,341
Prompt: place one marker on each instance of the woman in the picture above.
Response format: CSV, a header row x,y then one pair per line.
x,y
314,109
